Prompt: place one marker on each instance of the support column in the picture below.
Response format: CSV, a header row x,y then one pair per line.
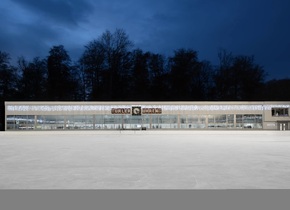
x,y
235,121
35,122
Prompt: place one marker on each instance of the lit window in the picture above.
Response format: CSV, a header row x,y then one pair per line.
x,y
280,112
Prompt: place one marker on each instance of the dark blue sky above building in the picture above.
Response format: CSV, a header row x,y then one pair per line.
x,y
30,28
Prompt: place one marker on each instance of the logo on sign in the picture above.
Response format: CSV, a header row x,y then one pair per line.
x,y
136,110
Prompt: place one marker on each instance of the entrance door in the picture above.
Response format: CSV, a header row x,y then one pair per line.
x,y
283,126
132,122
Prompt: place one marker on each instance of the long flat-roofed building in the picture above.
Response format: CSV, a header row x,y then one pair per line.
x,y
146,115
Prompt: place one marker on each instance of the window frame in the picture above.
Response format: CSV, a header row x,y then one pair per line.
x,y
280,112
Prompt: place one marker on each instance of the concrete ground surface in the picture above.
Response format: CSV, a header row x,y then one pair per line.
x,y
145,160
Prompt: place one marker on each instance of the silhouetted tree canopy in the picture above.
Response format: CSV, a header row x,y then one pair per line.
x,y
33,79
59,78
8,83
106,65
238,78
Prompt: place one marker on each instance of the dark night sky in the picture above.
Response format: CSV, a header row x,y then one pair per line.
x,y
261,28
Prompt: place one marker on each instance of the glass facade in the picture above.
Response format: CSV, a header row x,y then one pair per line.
x,y
117,122
249,121
221,121
193,121
20,122
151,115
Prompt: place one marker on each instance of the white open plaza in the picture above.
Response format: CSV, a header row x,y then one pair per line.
x,y
145,160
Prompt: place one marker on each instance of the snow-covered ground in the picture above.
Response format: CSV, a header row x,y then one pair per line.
x,y
145,160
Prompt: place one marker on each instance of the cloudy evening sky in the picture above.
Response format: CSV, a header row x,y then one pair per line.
x,y
261,28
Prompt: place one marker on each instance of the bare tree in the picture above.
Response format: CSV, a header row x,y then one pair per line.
x,y
107,60
238,78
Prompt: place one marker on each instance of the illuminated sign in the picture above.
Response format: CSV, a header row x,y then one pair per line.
x,y
151,111
121,111
136,110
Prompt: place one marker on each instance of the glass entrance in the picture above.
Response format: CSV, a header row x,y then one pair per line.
x,y
283,126
132,122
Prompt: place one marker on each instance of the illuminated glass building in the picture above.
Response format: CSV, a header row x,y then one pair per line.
x,y
146,115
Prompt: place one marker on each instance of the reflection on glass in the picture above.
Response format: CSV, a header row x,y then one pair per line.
x,y
249,121
61,122
192,121
20,122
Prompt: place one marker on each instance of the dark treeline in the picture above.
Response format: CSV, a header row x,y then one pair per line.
x,y
111,70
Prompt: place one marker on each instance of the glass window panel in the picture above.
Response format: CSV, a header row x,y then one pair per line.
x,y
259,118
30,119
11,122
249,118
30,124
48,122
21,122
70,122
109,122
168,121
210,119
146,121
131,122
192,121
118,121
99,122
239,121
259,122
195,119
211,123
136,122
220,121
89,122
183,119
59,122
249,121
40,122
79,122
202,119
280,112
202,122
239,118
43,122
198,121
230,119
99,119
21,119
164,121
156,121
174,122
127,122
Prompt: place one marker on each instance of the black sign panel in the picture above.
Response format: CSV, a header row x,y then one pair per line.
x,y
136,110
